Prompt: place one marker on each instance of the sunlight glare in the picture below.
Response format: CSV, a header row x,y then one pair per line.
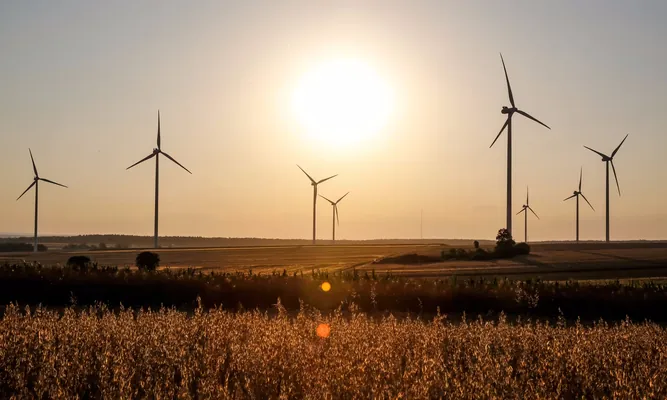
x,y
323,330
342,102
326,286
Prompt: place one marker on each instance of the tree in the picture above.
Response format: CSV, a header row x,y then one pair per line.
x,y
147,261
503,237
79,263
504,243
476,244
102,246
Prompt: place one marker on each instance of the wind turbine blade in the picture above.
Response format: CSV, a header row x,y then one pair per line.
x,y
589,203
619,146
55,183
615,177
527,202
509,88
326,179
311,179
581,173
25,191
507,121
338,201
34,168
531,210
336,211
172,159
522,210
525,114
158,129
574,195
332,203
597,152
142,160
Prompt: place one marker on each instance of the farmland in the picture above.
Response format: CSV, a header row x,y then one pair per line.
x,y
255,322
219,354
554,261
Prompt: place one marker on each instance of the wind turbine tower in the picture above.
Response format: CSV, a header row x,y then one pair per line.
x,y
576,195
509,111
314,184
334,204
525,216
35,183
156,153
609,160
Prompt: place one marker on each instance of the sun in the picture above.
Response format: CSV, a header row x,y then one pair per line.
x,y
342,102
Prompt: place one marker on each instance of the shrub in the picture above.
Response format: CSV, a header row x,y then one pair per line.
x,y
475,244
480,254
148,261
79,263
522,249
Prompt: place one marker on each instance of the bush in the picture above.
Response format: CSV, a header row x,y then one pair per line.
x,y
522,249
475,244
148,261
79,263
480,255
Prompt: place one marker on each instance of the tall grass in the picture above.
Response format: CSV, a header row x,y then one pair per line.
x,y
97,353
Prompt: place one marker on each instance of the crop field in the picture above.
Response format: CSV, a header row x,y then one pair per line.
x,y
557,261
218,354
394,329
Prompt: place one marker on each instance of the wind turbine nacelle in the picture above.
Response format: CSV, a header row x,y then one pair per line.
x,y
507,110
575,193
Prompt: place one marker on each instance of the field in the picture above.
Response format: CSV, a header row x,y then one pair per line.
x,y
218,354
255,322
554,261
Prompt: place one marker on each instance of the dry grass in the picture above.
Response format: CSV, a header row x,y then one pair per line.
x,y
217,354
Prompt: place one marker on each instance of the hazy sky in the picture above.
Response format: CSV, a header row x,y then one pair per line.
x,y
81,82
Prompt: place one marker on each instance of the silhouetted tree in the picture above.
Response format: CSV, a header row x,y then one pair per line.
x,y
148,261
102,246
79,263
504,243
476,244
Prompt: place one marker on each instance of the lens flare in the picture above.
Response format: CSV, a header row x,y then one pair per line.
x,y
326,286
323,330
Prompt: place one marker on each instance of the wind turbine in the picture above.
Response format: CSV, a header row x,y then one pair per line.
x,y
156,153
525,215
576,194
609,160
35,183
508,123
314,184
335,213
